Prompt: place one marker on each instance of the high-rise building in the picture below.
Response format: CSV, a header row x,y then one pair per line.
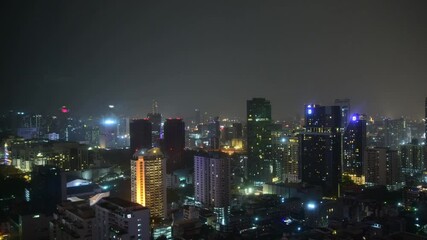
x,y
425,122
212,180
148,181
140,134
214,133
47,188
237,130
156,120
345,111
278,140
292,158
63,123
197,117
354,145
320,147
120,219
396,133
108,132
382,167
412,159
174,142
259,143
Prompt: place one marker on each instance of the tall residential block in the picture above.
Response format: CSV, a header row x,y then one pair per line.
x,y
140,134
259,143
320,148
212,180
354,145
148,181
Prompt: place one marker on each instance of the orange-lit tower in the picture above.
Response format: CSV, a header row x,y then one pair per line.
x,y
148,181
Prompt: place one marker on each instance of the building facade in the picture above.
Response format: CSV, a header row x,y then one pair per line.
x,y
354,145
148,181
259,143
320,147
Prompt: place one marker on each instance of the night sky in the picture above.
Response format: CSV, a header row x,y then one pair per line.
x,y
213,55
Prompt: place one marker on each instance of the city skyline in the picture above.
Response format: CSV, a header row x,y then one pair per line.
x,y
128,54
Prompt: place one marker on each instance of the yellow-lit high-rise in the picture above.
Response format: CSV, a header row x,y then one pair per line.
x,y
148,181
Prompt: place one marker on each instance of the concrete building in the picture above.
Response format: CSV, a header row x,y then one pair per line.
x,y
258,112
148,181
73,220
121,219
212,180
382,167
292,157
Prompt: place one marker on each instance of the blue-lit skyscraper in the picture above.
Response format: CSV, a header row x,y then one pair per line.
x,y
354,145
260,166
320,147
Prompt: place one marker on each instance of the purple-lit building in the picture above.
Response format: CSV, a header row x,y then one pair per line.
x,y
320,147
354,145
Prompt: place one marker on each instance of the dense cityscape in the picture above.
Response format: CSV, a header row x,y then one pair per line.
x,y
331,174
237,119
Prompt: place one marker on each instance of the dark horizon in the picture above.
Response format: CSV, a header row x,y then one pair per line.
x,y
214,56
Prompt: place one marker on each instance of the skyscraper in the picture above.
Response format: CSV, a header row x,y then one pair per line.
x,y
425,122
382,167
47,188
292,158
354,144
412,159
174,142
156,119
214,133
212,180
320,147
260,166
148,181
237,130
345,111
279,141
140,134
396,133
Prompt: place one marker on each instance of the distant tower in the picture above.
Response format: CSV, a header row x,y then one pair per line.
x,y
412,159
258,112
154,107
156,119
345,111
63,122
148,181
174,142
140,134
214,133
396,133
425,122
292,158
354,145
197,117
382,167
